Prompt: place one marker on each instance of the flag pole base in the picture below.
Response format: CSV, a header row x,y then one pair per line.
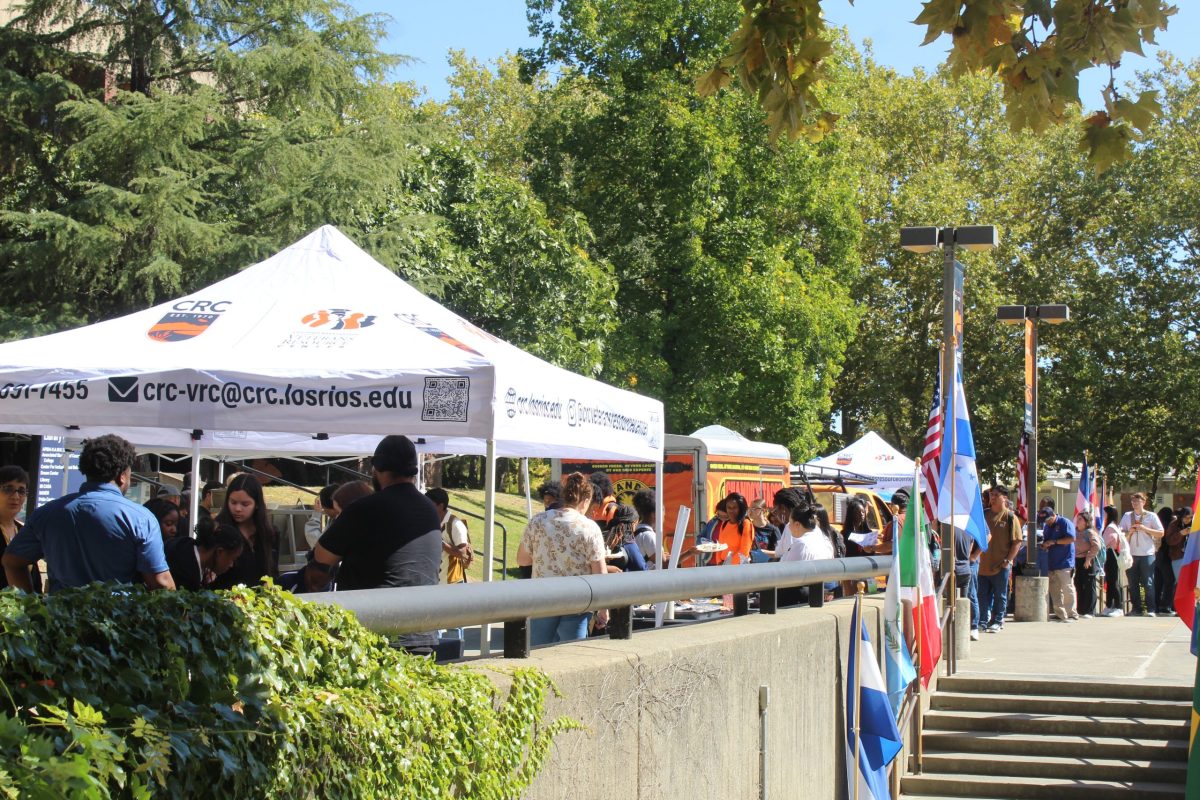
x,y
1033,598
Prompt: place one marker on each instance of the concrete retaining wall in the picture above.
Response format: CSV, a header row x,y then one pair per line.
x,y
675,713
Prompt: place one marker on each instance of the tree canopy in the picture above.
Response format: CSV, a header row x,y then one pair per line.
x,y
582,200
1035,48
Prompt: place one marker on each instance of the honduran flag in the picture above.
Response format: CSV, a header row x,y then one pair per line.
x,y
960,499
879,739
917,589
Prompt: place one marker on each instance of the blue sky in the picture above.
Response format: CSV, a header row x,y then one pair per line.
x,y
486,29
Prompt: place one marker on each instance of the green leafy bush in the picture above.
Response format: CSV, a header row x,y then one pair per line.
x,y
246,694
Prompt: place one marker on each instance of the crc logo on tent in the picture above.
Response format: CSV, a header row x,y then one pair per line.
x,y
187,319
338,319
845,461
123,389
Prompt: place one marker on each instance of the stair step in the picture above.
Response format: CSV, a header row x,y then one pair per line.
x,y
1010,788
1055,725
1036,765
1011,702
1099,687
1004,744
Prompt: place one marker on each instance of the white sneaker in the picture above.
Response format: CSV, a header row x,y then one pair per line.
x,y
1151,614
974,634
1114,612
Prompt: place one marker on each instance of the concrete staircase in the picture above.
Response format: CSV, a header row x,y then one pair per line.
x,y
1004,736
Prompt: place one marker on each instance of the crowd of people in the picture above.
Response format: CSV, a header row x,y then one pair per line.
x,y
367,536
388,534
1096,566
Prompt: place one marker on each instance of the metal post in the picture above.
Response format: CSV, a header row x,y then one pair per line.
x,y
768,601
620,622
528,488
516,638
949,363
741,605
489,540
194,499
1031,482
858,657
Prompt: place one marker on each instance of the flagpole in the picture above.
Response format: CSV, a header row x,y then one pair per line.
x,y
858,688
920,509
952,406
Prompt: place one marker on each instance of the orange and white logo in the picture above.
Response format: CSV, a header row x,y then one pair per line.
x,y
338,319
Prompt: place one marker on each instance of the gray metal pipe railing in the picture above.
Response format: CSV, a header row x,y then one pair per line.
x,y
425,608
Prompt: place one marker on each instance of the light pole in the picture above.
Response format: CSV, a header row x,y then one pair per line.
x,y
1031,588
926,239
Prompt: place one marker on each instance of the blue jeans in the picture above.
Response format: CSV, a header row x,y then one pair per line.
x,y
968,587
567,628
1142,574
993,598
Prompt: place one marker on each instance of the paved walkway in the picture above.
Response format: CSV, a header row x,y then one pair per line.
x,y
1141,648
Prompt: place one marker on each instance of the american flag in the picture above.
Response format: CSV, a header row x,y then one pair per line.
x,y
931,457
1023,479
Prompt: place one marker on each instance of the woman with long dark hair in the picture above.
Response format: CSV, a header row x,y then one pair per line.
x,y
1113,574
167,514
246,510
737,531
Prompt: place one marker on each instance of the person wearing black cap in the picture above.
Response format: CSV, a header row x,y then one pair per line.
x,y
391,538
623,553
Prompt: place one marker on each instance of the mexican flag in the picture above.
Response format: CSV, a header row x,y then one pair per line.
x,y
916,581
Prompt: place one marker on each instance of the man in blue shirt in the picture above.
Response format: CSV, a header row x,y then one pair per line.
x,y
95,534
1058,540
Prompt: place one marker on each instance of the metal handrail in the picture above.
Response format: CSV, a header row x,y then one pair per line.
x,y
425,608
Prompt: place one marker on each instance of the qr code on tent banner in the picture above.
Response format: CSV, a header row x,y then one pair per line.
x,y
446,399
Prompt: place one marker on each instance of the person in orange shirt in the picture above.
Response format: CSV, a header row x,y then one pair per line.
x,y
604,501
737,531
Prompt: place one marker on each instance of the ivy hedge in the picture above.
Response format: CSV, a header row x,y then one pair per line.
x,y
246,694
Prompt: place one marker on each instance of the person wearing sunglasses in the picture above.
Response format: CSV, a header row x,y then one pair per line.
x,y
14,489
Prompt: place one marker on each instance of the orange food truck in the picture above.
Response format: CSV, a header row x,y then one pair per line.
x,y
698,471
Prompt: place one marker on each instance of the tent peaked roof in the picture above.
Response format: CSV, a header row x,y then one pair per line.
x,y
870,457
319,339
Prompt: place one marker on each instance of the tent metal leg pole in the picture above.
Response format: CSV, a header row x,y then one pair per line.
x,y
660,609
528,488
489,530
194,498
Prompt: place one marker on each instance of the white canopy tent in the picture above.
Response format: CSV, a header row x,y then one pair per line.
x,y
318,349
870,458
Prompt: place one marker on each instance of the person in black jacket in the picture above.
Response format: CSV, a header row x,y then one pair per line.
x,y
196,563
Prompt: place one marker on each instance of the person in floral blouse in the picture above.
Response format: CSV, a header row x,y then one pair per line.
x,y
562,542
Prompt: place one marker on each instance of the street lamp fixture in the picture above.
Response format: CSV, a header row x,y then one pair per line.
x,y
1031,596
926,239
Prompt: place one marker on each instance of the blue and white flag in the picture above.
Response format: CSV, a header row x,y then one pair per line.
x,y
879,739
959,479
897,659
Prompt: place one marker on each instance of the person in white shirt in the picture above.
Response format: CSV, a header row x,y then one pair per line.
x,y
1144,531
456,541
803,539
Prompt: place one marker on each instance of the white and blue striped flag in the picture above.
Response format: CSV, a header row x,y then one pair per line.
x,y
958,471
879,739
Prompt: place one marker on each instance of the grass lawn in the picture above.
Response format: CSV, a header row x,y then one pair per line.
x,y
510,512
